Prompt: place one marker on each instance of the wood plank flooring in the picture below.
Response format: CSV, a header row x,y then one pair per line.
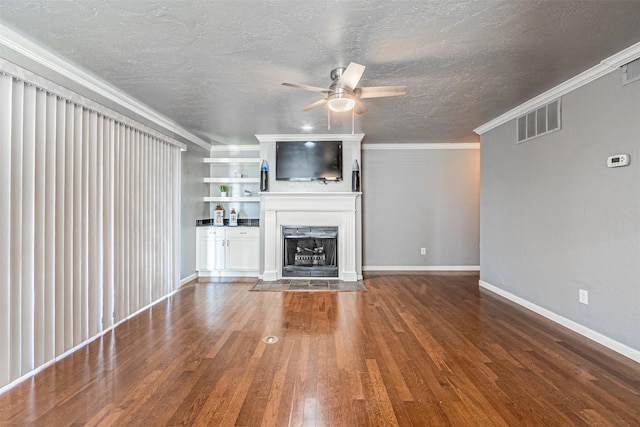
x,y
417,349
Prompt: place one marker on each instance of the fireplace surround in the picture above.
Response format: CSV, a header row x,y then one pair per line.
x,y
336,211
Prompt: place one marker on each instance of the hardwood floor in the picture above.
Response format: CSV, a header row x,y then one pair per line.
x,y
415,350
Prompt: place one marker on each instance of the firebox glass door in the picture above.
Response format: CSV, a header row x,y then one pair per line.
x,y
310,251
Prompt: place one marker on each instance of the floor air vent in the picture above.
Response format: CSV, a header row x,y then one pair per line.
x,y
631,72
540,121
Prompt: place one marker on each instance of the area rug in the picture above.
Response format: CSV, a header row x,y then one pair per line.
x,y
309,285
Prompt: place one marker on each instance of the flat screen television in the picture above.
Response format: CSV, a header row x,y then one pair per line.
x,y
309,160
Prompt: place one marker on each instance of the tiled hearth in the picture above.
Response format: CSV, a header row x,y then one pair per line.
x,y
309,285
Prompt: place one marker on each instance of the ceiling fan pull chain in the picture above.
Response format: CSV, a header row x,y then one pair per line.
x,y
353,121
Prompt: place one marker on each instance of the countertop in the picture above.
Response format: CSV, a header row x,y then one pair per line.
x,y
248,222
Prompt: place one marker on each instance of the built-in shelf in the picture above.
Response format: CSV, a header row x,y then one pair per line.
x,y
235,148
246,199
233,160
238,168
225,180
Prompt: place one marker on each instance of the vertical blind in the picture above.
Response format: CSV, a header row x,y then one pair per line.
x,y
89,224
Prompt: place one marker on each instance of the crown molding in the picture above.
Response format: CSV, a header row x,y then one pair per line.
x,y
424,146
350,137
40,55
624,57
603,68
17,72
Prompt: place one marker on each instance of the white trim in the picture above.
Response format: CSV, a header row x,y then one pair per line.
x,y
187,279
605,67
253,147
624,57
39,54
86,342
40,82
233,160
614,345
310,137
326,209
421,268
231,180
425,146
229,273
241,199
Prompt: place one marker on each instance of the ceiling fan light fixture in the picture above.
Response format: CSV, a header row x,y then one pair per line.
x,y
341,102
343,92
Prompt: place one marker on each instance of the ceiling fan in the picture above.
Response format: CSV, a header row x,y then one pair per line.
x,y
343,92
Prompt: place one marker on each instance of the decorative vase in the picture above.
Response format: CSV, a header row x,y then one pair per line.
x,y
223,194
355,177
264,176
233,218
218,216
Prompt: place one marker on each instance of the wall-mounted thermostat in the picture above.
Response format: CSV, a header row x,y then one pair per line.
x,y
618,160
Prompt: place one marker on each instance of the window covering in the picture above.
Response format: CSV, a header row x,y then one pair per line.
x,y
89,221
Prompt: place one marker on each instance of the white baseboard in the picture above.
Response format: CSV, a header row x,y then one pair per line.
x,y
188,279
228,273
614,345
421,268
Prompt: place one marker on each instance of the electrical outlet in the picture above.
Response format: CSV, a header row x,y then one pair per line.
x,y
423,251
583,296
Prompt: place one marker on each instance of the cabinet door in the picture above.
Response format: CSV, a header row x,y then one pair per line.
x,y
243,249
243,254
219,252
204,245
201,253
210,249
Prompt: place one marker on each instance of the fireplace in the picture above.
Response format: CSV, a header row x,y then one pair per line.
x,y
309,251
334,215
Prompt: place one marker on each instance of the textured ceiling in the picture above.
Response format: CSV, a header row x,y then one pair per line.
x,y
215,67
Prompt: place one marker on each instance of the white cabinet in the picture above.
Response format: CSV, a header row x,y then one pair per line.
x,y
243,248
210,249
227,251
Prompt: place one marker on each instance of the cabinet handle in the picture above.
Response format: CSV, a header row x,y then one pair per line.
x,y
223,243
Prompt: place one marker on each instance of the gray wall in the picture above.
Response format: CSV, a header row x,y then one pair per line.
x,y
193,190
554,219
420,198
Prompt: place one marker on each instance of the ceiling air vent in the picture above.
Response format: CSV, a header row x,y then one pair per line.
x,y
631,72
540,121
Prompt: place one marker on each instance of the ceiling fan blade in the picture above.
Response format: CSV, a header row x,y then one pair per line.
x,y
306,87
315,104
380,91
351,76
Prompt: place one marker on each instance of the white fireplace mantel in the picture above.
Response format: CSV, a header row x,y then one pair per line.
x,y
312,209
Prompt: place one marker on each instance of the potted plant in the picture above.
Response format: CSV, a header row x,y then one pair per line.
x,y
223,190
